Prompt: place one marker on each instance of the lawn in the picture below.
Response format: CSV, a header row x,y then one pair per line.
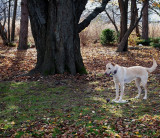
x,y
77,106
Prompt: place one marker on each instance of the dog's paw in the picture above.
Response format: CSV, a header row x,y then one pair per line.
x,y
144,98
137,96
114,100
121,101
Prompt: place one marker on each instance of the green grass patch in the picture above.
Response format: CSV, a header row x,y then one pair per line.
x,y
35,109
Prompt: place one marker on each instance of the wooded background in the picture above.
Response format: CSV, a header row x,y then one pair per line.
x,y
56,26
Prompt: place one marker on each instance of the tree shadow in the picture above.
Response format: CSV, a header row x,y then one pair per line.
x,y
14,67
74,99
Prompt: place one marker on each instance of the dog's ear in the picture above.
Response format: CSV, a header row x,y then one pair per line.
x,y
113,64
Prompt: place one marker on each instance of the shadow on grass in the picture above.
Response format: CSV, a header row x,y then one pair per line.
x,y
66,103
14,67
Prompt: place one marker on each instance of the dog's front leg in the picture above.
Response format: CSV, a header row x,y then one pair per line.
x,y
117,92
121,94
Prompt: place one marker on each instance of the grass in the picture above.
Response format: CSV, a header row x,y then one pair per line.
x,y
26,101
65,107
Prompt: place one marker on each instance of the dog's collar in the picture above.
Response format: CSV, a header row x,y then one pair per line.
x,y
111,74
115,72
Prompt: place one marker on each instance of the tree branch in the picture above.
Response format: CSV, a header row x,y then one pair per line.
x,y
96,11
113,22
154,10
132,26
79,8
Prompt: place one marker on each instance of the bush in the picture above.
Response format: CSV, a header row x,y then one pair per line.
x,y
107,36
155,42
144,42
155,45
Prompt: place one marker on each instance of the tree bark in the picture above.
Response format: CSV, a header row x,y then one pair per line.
x,y
9,10
123,5
23,37
145,20
38,18
137,27
13,20
5,17
58,50
3,34
123,45
56,30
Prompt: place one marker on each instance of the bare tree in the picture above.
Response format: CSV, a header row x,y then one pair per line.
x,y
155,9
3,32
137,26
3,8
112,12
9,12
23,37
123,45
123,5
13,20
145,26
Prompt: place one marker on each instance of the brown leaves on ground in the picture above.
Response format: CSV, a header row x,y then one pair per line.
x,y
14,64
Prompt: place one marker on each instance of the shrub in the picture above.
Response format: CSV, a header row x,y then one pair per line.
x,y
144,42
155,42
156,45
107,36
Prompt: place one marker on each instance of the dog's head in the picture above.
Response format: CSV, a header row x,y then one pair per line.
x,y
110,68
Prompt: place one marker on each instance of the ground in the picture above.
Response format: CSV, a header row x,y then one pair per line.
x,y
76,106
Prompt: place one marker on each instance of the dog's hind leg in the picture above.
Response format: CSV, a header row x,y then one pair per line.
x,y
144,84
138,81
145,89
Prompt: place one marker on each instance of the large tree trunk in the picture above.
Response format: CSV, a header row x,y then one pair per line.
x,y
38,18
13,20
56,36
145,20
23,36
123,46
56,30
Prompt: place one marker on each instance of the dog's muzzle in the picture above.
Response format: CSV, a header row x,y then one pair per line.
x,y
106,74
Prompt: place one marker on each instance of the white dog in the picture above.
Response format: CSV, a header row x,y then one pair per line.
x,y
122,75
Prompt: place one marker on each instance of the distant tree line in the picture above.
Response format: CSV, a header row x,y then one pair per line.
x,y
138,10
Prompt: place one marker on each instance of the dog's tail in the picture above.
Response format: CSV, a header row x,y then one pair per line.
x,y
153,66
